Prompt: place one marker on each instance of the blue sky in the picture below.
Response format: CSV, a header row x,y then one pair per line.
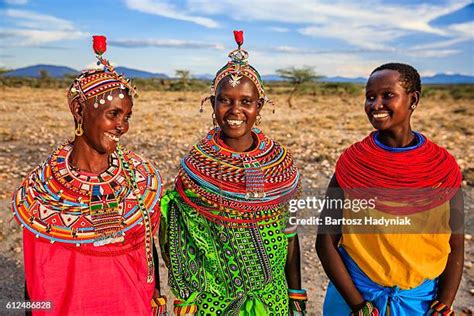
x,y
336,37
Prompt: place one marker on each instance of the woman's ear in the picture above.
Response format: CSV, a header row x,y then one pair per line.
x,y
76,109
414,99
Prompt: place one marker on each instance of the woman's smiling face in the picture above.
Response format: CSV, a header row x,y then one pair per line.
x,y
236,108
387,103
103,126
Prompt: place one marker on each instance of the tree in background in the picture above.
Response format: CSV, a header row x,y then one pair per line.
x,y
44,75
297,77
184,76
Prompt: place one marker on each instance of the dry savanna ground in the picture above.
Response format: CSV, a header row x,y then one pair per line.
x,y
165,125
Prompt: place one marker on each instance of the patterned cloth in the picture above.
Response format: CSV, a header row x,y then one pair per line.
x,y
415,301
224,257
84,238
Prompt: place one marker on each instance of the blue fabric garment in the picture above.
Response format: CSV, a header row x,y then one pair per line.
x,y
402,302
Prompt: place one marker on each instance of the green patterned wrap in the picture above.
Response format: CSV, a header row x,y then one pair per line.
x,y
222,270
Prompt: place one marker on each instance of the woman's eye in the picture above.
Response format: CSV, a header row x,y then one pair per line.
x,y
388,95
246,101
369,98
224,100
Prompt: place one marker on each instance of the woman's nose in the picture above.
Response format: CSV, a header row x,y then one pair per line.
x,y
236,107
120,126
377,104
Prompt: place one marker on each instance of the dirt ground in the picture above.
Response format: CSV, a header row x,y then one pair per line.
x,y
164,126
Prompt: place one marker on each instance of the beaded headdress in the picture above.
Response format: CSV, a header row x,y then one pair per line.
x,y
237,68
99,84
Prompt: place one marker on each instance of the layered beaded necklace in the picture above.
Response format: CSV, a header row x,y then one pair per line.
x,y
421,177
238,188
62,204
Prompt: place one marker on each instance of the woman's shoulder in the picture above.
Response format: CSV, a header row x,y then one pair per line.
x,y
440,151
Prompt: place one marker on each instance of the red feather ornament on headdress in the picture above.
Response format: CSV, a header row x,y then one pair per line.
x,y
99,44
239,37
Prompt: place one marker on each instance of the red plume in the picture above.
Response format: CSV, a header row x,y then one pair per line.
x,y
99,44
239,37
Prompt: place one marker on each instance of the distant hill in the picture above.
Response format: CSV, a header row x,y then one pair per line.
x,y
448,79
436,79
204,77
61,71
134,73
343,79
272,78
34,71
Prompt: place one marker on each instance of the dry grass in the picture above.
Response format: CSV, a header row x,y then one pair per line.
x,y
316,130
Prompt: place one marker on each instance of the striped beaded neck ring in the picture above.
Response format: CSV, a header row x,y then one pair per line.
x,y
99,84
237,68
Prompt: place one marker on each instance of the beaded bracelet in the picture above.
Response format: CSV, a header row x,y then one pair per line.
x,y
182,308
290,231
297,301
158,305
440,309
368,309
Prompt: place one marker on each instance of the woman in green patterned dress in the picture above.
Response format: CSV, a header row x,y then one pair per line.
x,y
224,232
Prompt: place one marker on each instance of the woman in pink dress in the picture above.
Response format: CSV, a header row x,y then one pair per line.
x,y
90,210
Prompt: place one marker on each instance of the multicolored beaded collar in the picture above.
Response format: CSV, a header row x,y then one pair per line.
x,y
61,204
238,188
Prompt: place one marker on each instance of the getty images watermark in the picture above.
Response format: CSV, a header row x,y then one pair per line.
x,y
357,212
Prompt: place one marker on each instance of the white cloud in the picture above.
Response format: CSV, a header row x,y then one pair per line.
x,y
26,37
170,43
433,53
339,64
37,20
279,29
414,52
33,29
371,25
428,73
359,36
168,10
459,33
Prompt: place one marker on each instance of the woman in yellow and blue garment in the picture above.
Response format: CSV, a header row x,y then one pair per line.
x,y
414,270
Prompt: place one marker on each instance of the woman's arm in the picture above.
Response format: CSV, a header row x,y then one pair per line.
x,y
451,277
327,248
293,264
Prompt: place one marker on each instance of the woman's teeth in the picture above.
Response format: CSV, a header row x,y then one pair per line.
x,y
112,137
380,115
234,122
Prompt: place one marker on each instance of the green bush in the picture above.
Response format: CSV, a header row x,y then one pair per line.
x,y
441,92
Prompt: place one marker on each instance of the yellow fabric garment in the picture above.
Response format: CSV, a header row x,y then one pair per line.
x,y
399,255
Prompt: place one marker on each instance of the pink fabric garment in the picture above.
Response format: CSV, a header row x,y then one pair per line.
x,y
81,284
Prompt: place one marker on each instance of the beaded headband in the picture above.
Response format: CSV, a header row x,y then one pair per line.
x,y
99,84
237,68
